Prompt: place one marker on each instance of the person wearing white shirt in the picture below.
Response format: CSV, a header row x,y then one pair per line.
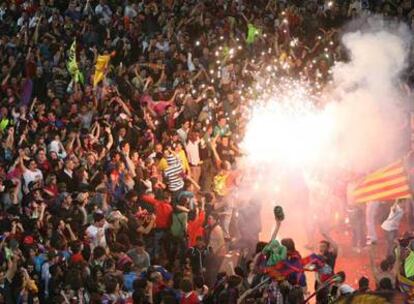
x,y
131,11
104,11
183,131
392,224
343,289
57,146
96,231
193,154
30,173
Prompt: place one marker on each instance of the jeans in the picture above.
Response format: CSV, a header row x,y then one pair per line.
x,y
207,175
178,250
159,235
195,173
372,208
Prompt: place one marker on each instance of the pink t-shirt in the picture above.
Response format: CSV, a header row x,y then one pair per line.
x,y
159,107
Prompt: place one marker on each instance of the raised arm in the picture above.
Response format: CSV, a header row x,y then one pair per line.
x,y
110,138
333,244
124,106
276,231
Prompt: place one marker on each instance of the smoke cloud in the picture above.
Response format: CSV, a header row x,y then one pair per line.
x,y
360,128
369,105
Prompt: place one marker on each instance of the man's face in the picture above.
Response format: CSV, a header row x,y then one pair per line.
x,y
122,132
91,159
158,148
70,165
211,221
32,165
41,156
101,223
117,157
51,117
140,249
167,153
135,156
323,248
200,244
126,148
68,200
193,136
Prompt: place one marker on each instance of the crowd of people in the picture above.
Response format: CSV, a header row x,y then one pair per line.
x,y
121,191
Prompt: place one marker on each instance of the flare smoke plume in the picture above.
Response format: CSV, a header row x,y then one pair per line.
x,y
359,128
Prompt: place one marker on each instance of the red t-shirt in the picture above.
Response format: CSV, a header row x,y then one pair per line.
x,y
195,229
163,211
190,299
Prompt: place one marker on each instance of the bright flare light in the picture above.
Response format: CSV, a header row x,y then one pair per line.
x,y
288,128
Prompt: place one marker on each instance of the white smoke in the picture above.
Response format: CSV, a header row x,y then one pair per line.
x,y
370,104
359,129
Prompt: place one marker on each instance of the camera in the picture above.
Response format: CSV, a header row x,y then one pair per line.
x,y
278,212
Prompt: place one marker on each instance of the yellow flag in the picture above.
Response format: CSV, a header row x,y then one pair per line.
x,y
100,68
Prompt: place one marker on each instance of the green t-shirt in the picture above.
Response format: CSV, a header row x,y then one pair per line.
x,y
179,224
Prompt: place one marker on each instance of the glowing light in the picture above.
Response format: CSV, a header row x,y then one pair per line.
x,y
283,127
294,42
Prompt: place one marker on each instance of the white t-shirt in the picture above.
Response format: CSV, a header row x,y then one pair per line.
x,y
393,220
344,289
32,176
97,235
193,152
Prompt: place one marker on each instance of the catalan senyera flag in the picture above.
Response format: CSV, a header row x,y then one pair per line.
x,y
385,184
101,68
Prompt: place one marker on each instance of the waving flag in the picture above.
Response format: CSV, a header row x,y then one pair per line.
x,y
100,68
252,32
313,262
386,184
72,65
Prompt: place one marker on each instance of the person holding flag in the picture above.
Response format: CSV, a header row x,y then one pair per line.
x,y
101,67
72,65
252,31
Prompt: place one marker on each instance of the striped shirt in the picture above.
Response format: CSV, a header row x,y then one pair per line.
x,y
174,174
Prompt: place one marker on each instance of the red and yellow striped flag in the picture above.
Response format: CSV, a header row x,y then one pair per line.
x,y
389,183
